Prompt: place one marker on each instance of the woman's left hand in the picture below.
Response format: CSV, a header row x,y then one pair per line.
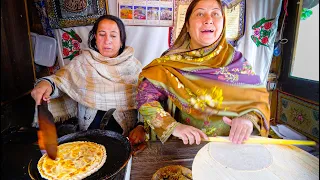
x,y
137,135
240,130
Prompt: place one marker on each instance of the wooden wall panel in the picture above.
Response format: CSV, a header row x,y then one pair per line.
x,y
17,70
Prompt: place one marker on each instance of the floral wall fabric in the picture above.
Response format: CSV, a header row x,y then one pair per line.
x,y
257,44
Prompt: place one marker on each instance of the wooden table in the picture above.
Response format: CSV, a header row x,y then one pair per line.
x,y
158,155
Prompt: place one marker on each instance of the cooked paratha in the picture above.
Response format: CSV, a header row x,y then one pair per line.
x,y
75,160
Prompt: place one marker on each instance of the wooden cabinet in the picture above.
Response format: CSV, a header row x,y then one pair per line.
x,y
17,68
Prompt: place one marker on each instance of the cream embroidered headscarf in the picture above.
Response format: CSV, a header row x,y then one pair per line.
x,y
97,82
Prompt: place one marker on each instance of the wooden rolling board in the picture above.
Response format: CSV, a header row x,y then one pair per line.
x,y
284,162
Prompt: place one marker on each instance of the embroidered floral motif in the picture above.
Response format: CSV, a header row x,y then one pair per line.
x,y
225,75
163,59
157,122
188,120
195,53
247,69
283,117
209,131
217,51
298,116
284,103
262,31
70,44
144,85
161,112
172,57
204,99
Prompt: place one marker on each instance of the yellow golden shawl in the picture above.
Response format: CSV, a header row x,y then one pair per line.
x,y
207,83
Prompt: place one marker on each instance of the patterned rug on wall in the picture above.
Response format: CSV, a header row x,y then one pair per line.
x,y
299,114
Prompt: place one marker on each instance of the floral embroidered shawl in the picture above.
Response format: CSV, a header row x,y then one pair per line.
x,y
206,83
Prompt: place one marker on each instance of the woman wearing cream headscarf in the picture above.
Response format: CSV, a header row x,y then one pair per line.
x,y
102,78
207,87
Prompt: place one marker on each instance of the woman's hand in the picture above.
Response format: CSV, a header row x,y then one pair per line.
x,y
240,130
42,91
137,139
189,134
137,135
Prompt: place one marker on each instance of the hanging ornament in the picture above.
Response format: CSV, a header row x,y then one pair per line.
x,y
305,14
277,51
277,47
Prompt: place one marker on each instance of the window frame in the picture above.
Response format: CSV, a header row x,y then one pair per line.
x,y
304,88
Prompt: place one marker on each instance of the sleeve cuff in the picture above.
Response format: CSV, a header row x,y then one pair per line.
x,y
253,118
48,80
168,132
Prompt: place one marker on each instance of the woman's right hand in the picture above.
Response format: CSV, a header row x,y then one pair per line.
x,y
189,134
42,91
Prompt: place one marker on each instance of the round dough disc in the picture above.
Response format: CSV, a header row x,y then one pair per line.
x,y
218,160
249,157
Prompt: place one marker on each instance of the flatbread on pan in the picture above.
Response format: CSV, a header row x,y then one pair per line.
x,y
75,160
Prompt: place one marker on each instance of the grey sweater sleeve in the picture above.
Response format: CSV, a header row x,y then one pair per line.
x,y
55,91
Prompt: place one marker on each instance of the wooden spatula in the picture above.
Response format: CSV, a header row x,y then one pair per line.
x,y
47,134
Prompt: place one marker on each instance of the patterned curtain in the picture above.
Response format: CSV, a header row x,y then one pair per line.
x,y
47,31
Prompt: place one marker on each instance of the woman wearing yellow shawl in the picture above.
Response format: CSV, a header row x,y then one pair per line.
x,y
209,89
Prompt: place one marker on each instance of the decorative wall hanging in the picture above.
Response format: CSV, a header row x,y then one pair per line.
x,y
235,20
70,13
262,30
305,14
180,9
231,3
41,8
299,114
71,44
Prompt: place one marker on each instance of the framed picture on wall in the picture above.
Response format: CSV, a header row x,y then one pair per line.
x,y
235,21
70,13
146,12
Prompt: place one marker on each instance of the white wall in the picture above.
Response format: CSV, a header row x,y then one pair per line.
x,y
148,42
